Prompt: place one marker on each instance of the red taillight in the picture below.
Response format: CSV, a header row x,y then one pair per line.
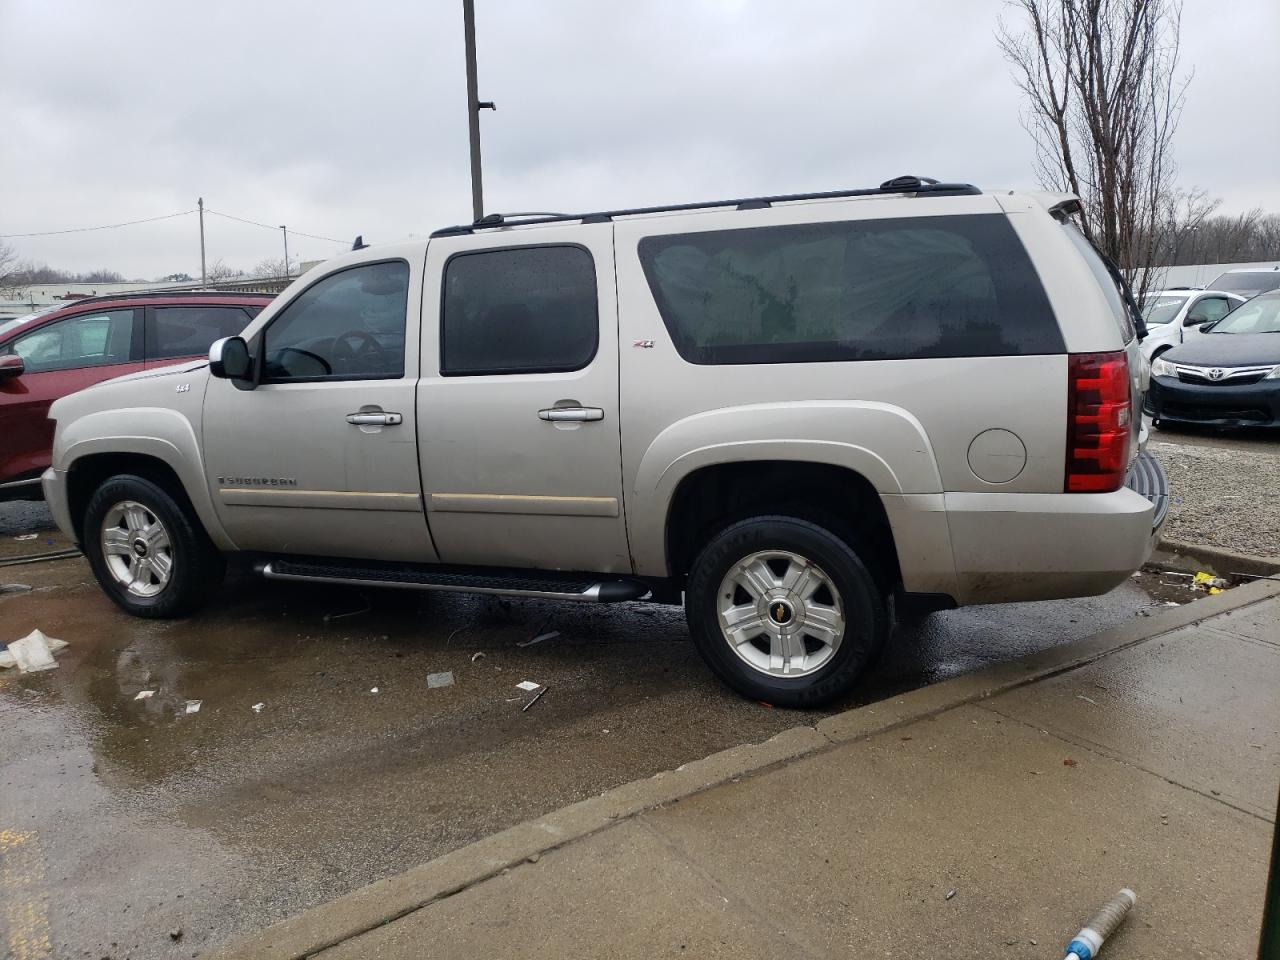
x,y
1098,428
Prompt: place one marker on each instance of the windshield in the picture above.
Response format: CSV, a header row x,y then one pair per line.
x,y
1161,309
1249,282
1260,315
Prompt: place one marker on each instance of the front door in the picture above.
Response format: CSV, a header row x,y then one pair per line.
x,y
320,457
518,402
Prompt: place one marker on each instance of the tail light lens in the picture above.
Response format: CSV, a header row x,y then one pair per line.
x,y
1098,428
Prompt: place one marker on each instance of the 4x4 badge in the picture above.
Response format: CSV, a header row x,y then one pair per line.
x,y
184,387
646,344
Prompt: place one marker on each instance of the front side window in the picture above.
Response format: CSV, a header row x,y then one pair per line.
x,y
519,310
1208,309
189,331
348,326
1260,315
861,290
85,340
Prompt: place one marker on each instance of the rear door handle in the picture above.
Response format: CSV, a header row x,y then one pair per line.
x,y
375,419
571,414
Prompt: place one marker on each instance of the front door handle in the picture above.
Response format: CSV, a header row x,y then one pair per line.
x,y
375,419
571,414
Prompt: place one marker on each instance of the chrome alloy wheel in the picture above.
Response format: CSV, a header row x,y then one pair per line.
x,y
780,613
136,548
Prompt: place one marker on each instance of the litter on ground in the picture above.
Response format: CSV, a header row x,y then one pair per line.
x,y
539,638
257,707
534,699
478,655
32,653
26,536
193,706
528,685
373,689
434,680
14,588
144,695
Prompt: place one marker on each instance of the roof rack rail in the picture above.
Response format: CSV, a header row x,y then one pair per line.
x,y
904,184
139,294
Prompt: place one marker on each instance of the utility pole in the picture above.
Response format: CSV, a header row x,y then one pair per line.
x,y
474,106
203,277
286,249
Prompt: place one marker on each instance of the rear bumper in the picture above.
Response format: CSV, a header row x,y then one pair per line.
x,y
1219,405
1009,547
54,483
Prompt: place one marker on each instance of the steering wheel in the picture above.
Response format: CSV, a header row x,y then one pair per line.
x,y
368,348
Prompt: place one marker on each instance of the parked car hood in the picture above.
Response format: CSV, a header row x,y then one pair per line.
x,y
1228,350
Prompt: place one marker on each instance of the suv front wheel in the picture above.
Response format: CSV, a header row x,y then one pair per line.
x,y
785,611
147,550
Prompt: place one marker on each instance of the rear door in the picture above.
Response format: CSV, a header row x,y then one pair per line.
x,y
182,331
518,402
61,357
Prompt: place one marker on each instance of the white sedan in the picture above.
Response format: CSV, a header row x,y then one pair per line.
x,y
1175,316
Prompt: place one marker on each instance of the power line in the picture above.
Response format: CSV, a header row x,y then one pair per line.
x,y
267,226
105,226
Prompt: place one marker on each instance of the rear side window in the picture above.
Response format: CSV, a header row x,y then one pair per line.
x,y
519,310
189,331
1108,283
861,290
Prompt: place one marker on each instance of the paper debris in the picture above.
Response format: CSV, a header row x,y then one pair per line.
x,y
144,695
373,689
478,655
539,638
14,588
257,707
32,653
26,536
193,706
435,680
528,685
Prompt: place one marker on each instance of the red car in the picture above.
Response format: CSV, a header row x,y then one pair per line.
x,y
49,355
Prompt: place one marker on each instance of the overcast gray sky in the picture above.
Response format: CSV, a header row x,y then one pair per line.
x,y
340,118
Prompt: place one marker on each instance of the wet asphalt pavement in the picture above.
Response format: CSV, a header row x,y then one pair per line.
x,y
145,831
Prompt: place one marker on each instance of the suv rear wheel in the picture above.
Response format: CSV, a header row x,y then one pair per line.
x,y
149,553
784,611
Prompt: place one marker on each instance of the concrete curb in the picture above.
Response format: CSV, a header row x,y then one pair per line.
x,y
1224,561
387,900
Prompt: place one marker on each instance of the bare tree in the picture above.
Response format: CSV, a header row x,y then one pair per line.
x,y
9,266
270,267
219,271
1104,100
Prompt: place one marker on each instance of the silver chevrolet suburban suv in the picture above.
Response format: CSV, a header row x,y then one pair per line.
x,y
803,417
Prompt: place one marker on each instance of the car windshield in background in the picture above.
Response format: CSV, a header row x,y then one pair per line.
x,y
1161,309
1249,283
1260,315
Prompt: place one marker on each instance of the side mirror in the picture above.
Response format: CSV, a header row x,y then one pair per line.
x,y
12,366
1194,319
1206,327
229,359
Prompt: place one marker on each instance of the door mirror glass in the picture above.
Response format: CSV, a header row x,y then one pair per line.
x,y
1206,327
12,366
229,359
1195,318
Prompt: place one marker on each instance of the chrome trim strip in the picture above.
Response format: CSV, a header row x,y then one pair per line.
x,y
320,499
524,504
1227,372
20,483
590,595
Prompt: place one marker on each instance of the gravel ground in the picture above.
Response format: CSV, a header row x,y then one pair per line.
x,y
1225,489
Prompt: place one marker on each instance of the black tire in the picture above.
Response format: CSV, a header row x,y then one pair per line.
x,y
197,566
865,612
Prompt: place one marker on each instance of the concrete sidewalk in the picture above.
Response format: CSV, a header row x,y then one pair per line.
x,y
1147,756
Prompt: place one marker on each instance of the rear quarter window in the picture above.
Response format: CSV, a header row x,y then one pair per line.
x,y
1101,273
860,290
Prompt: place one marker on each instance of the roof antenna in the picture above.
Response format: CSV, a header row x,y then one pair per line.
x,y
359,244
